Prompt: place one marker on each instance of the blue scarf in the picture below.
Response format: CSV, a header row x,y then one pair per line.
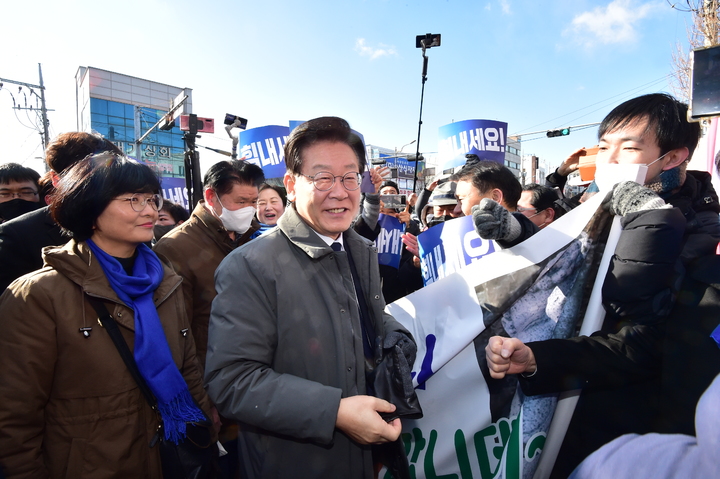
x,y
263,229
152,353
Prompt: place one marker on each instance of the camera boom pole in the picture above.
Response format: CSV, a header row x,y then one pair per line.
x,y
423,41
422,96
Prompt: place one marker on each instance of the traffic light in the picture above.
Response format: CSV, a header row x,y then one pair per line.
x,y
168,123
554,133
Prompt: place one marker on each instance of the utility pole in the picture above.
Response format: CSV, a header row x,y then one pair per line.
x,y
44,134
43,111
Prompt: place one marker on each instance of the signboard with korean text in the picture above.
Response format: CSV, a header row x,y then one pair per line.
x,y
264,146
174,189
450,246
485,138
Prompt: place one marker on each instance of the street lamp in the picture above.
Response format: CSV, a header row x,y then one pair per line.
x,y
426,41
403,147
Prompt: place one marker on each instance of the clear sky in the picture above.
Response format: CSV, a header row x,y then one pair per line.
x,y
535,64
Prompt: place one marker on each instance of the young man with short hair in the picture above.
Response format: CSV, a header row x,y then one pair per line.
x,y
489,192
18,191
652,332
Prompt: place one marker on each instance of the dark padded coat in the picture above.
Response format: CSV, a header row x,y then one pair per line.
x,y
621,373
286,345
21,242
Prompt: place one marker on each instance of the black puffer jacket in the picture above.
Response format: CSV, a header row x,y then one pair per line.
x,y
623,368
644,275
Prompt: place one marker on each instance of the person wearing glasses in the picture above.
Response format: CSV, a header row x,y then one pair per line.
x,y
298,315
23,238
69,407
537,203
18,191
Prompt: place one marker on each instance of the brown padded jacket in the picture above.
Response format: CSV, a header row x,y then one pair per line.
x,y
69,408
194,250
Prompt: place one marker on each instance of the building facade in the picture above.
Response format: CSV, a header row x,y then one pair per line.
x,y
403,170
512,156
533,170
122,108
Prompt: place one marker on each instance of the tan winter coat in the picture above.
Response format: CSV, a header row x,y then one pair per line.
x,y
69,408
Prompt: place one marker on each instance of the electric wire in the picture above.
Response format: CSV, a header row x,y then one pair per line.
x,y
628,92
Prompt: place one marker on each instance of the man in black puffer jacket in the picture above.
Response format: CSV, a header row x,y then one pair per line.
x,y
623,367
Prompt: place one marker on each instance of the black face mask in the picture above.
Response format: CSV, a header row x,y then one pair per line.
x,y
162,230
14,208
436,220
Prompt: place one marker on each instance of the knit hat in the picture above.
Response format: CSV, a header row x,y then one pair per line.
x,y
444,194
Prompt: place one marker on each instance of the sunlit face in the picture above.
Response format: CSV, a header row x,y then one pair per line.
x,y
467,196
119,229
270,206
633,145
25,190
240,196
165,219
330,212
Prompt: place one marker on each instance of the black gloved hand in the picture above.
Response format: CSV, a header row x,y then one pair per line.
x,y
493,222
629,197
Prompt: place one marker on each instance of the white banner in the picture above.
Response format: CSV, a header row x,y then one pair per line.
x,y
474,428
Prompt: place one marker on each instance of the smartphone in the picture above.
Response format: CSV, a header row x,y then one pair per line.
x,y
396,202
366,186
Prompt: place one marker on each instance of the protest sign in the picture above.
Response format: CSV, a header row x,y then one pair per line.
x,y
472,427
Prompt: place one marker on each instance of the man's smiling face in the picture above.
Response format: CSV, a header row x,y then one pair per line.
x,y
330,212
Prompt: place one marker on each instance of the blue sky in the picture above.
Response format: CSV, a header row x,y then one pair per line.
x,y
533,64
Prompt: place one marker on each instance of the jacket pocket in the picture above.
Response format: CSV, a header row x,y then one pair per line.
x,y
76,458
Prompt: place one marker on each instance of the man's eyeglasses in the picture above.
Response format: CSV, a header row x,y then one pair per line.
x,y
27,194
139,200
323,181
523,210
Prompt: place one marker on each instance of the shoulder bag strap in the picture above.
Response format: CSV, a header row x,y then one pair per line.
x,y
112,328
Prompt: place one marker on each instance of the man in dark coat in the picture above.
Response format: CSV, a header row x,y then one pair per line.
x,y
620,367
23,238
297,320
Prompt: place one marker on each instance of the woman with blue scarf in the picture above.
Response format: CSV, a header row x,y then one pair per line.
x,y
69,407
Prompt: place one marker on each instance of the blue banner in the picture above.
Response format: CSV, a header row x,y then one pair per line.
x,y
449,246
485,138
264,147
174,189
388,242
295,123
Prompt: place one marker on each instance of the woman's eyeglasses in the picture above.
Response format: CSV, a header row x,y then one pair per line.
x,y
139,200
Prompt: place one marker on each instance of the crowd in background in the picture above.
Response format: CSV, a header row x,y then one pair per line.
x,y
178,283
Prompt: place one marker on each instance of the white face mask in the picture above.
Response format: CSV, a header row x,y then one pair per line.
x,y
607,175
238,220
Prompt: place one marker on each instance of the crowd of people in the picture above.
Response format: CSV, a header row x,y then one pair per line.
x,y
261,313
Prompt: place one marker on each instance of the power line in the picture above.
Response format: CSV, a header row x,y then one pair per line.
x,y
628,92
542,136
